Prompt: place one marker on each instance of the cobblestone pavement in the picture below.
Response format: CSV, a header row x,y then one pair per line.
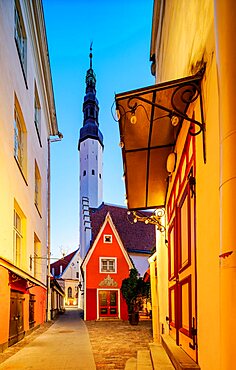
x,y
114,342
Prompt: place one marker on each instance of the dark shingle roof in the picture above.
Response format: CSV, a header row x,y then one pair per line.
x,y
137,237
64,262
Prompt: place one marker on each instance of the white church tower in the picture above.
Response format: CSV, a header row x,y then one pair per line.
x,y
91,160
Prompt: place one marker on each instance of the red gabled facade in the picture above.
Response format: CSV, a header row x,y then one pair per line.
x,y
105,266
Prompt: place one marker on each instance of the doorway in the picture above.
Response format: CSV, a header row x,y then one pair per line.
x,y
108,303
16,327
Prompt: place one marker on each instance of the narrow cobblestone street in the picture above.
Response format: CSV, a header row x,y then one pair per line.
x,y
54,345
114,342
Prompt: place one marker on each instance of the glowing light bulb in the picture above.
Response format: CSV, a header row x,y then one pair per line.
x,y
174,120
128,212
135,220
133,119
146,222
121,144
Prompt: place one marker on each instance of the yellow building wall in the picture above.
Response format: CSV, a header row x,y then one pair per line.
x,y
13,187
187,40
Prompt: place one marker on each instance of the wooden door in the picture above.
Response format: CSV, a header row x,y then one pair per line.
x,y
31,310
108,303
16,327
182,255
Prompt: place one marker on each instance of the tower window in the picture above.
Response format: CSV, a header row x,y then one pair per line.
x,y
84,173
93,172
92,112
100,176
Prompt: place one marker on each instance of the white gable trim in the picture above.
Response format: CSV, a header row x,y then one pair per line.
x,y
108,219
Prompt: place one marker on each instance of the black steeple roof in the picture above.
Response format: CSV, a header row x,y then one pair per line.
x,y
90,127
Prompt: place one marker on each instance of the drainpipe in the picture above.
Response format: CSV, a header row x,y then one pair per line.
x,y
154,294
225,15
60,136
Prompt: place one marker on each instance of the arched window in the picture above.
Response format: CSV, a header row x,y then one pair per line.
x,y
84,173
93,172
69,292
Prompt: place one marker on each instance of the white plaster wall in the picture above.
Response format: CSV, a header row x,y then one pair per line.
x,y
91,159
91,186
140,262
73,268
12,184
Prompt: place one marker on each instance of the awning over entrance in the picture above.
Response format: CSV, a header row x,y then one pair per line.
x,y
149,122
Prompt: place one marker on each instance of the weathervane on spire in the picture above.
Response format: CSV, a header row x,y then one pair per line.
x,y
90,76
91,55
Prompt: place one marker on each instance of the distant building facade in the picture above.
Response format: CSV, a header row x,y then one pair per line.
x,y
28,119
67,273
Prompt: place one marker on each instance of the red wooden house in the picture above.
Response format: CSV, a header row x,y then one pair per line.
x,y
106,264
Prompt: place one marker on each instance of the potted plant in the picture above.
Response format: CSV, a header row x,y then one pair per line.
x,y
134,289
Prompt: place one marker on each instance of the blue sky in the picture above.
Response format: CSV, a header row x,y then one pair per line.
x,y
121,34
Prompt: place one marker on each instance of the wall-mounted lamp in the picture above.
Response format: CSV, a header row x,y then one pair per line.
x,y
171,162
133,118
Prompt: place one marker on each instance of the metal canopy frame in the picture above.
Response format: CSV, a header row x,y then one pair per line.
x,y
150,120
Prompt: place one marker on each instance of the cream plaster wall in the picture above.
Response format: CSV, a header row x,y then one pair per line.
x,y
162,281
12,184
187,39
186,27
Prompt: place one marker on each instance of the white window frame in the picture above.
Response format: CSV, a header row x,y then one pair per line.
x,y
17,238
20,37
107,236
20,139
107,271
37,114
37,257
37,188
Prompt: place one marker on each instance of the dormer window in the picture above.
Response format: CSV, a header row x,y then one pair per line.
x,y
107,238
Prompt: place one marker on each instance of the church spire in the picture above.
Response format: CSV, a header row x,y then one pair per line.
x,y
91,55
91,158
90,76
90,107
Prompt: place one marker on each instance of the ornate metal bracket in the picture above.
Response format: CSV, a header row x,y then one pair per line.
x,y
153,219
